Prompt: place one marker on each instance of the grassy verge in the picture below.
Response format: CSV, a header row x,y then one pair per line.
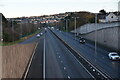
x,y
20,40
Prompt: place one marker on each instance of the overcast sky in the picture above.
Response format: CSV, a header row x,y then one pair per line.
x,y
19,8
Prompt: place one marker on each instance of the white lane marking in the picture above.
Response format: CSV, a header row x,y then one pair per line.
x,y
30,62
68,77
84,59
44,60
83,66
87,61
64,68
78,61
59,56
61,61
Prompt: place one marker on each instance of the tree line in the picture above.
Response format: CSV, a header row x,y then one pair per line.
x,y
81,19
13,31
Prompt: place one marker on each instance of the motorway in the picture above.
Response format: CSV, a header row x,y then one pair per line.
x,y
52,60
87,50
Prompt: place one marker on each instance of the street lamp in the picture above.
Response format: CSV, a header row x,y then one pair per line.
x,y
95,36
66,24
75,19
13,28
21,29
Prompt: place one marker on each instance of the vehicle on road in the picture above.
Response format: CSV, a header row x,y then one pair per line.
x,y
113,56
52,27
82,40
41,34
38,35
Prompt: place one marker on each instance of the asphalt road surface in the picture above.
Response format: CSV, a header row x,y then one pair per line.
x,y
99,59
52,60
36,68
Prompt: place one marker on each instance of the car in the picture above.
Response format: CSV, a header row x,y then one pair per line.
x,y
38,35
45,28
57,29
41,33
52,27
82,40
114,56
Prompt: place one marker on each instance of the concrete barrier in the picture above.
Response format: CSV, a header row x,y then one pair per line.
x,y
107,34
15,59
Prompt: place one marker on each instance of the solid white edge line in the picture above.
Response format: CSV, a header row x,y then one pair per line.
x,y
86,60
30,61
79,62
44,60
82,65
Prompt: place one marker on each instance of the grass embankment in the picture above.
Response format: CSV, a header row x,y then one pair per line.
x,y
20,40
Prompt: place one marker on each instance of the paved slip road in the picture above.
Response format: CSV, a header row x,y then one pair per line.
x,y
36,67
100,59
31,39
55,61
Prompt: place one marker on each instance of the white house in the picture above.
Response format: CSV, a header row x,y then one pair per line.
x,y
111,17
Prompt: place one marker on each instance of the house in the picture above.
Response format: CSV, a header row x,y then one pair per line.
x,y
109,17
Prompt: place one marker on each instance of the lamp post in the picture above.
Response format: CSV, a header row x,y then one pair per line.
x,y
21,28
75,19
95,36
66,27
66,20
13,29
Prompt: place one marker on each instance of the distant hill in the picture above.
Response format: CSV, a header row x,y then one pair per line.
x,y
83,17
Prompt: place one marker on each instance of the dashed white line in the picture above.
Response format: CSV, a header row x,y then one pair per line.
x,y
61,61
64,68
82,65
59,56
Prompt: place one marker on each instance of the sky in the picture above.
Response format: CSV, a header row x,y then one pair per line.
x,y
19,8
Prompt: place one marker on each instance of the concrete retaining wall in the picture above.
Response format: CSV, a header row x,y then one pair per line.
x,y
15,59
108,34
107,37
